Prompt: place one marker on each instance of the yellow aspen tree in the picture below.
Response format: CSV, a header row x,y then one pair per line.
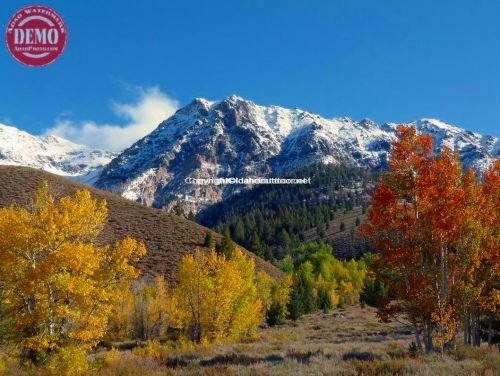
x,y
247,309
218,298
190,294
162,311
121,322
58,286
224,286
146,311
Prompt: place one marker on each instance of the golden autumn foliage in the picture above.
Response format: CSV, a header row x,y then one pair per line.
x,y
58,287
146,312
217,298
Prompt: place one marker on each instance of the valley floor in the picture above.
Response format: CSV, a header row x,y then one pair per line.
x,y
342,342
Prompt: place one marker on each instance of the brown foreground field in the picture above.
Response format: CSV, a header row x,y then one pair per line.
x,y
342,342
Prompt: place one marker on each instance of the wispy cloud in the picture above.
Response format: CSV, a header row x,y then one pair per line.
x,y
142,117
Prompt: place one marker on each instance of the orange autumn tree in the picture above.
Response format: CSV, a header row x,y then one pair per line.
x,y
442,206
396,226
434,227
58,287
488,274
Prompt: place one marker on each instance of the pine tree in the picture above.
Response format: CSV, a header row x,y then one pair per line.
x,y
227,246
284,239
239,231
304,285
320,229
256,245
295,305
178,209
209,240
324,300
276,314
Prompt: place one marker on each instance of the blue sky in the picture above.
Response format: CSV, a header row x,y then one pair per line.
x,y
385,60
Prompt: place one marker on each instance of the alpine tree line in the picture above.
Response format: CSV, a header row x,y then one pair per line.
x,y
272,220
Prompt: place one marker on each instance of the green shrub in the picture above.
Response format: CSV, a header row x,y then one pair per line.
x,y
324,299
276,314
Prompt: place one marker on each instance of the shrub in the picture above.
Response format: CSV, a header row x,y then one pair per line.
x,y
68,360
152,349
276,314
324,299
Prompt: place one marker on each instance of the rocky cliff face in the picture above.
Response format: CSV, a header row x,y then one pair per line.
x,y
237,138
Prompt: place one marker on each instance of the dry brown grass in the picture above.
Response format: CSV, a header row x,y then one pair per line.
x,y
343,342
167,237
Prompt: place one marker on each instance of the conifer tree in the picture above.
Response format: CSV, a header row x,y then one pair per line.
x,y
209,240
227,246
295,304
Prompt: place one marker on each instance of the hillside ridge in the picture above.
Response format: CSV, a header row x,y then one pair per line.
x,y
167,237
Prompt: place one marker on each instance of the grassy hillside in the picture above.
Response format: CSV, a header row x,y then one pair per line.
x,y
167,237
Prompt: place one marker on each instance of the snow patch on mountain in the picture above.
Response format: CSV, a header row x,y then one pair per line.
x,y
52,154
229,138
237,138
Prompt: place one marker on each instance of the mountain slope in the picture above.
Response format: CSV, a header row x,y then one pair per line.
x,y
237,138
51,153
166,236
273,221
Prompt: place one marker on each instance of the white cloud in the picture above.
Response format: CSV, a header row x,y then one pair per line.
x,y
142,117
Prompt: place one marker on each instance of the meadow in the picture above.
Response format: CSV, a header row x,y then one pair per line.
x,y
350,341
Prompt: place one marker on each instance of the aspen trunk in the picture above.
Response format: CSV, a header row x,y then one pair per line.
x,y
465,330
429,346
469,332
417,340
490,332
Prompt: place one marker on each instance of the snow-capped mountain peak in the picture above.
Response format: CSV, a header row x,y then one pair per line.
x,y
238,138
232,137
51,153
